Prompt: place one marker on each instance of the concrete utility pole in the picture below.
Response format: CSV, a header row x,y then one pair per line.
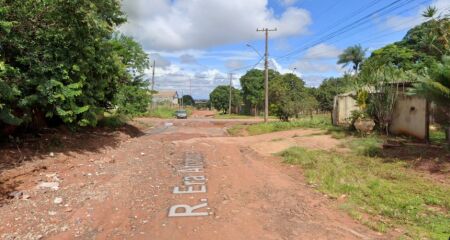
x,y
266,66
153,76
229,98
190,87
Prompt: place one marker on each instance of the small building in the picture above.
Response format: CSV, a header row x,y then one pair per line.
x,y
165,98
411,114
343,106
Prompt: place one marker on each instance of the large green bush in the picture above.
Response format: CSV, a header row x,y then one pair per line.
x,y
61,62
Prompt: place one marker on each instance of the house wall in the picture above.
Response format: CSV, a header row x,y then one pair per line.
x,y
343,107
170,101
410,117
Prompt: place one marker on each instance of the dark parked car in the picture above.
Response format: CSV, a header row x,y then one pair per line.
x,y
181,114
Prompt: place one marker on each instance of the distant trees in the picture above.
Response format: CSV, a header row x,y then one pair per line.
x,y
289,97
188,100
353,55
220,96
329,88
61,62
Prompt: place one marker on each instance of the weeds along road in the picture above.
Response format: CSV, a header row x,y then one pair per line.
x,y
184,179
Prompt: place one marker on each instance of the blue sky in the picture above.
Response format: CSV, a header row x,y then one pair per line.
x,y
196,43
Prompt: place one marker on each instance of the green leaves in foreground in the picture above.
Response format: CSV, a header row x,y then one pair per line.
x,y
387,194
62,62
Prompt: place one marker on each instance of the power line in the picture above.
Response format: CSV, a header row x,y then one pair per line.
x,y
388,8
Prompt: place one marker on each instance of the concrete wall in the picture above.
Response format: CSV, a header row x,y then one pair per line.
x,y
410,117
168,101
343,107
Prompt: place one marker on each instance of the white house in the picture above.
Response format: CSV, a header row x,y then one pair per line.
x,y
169,98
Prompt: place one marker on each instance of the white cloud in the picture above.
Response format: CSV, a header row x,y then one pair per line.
x,y
197,24
160,61
313,80
288,2
322,51
188,59
234,63
199,84
314,67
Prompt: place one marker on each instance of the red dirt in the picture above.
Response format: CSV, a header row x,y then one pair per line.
x,y
119,186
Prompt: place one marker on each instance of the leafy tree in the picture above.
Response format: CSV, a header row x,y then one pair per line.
x,y
329,89
395,55
430,38
63,61
353,55
289,97
188,100
133,99
220,96
437,89
253,88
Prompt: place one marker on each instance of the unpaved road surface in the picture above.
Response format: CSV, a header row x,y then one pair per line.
x,y
234,186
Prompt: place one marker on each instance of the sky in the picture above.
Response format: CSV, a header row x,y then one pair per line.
x,y
196,44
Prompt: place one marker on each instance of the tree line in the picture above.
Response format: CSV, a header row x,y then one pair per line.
x,y
62,62
287,93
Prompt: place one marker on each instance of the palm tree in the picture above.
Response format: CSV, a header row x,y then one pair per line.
x,y
353,55
430,12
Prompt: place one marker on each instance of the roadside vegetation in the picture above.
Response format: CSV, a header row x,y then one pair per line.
x,y
61,69
317,121
161,112
383,195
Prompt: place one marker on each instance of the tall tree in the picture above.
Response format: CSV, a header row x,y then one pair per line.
x,y
188,100
289,97
220,96
252,84
353,55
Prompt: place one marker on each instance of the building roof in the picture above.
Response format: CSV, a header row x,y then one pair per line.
x,y
166,94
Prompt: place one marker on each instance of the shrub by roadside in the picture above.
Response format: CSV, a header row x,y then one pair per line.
x,y
381,195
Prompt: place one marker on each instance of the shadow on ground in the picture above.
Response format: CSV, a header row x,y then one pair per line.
x,y
53,141
432,158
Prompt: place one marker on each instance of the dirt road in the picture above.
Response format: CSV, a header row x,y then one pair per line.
x,y
182,179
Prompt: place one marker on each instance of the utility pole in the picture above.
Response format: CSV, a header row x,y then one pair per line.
x,y
190,87
153,75
266,66
229,99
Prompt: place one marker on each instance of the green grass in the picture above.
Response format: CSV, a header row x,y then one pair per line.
x,y
236,130
381,195
319,121
232,116
370,146
162,112
437,136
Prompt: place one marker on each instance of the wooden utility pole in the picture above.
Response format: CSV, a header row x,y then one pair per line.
x,y
229,98
266,67
153,76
